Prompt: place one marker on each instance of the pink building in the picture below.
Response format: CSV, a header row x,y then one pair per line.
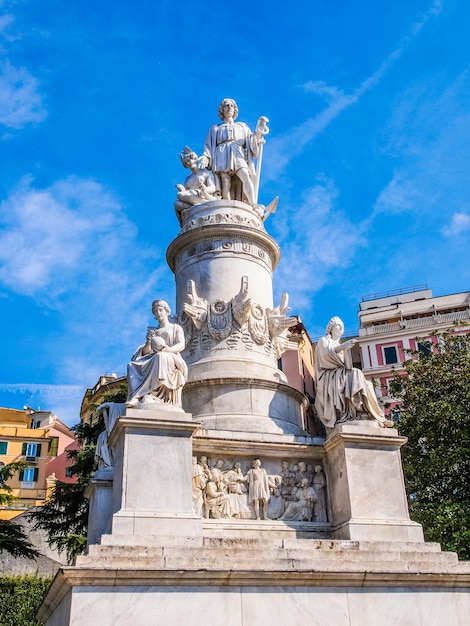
x,y
393,322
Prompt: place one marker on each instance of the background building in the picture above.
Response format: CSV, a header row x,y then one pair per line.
x,y
107,385
41,440
393,322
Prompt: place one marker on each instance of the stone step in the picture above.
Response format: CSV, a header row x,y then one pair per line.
x,y
259,559
267,541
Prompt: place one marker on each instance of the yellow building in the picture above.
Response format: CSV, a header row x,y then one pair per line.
x,y
20,442
109,384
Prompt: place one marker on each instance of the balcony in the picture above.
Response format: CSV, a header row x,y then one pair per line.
x,y
430,321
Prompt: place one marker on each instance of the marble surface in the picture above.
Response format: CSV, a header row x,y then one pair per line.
x,y
257,606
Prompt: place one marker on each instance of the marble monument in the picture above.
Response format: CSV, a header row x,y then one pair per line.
x,y
212,497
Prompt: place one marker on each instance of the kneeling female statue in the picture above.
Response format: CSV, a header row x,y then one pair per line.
x,y
157,371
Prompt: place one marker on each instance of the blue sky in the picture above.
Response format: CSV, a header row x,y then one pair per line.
x,y
369,152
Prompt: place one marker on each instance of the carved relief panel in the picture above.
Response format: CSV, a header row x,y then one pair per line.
x,y
242,489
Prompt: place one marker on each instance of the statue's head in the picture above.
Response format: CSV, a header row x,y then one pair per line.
x,y
334,321
228,101
216,474
162,304
187,156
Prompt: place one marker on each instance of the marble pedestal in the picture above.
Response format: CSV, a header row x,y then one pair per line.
x,y
151,491
367,489
100,495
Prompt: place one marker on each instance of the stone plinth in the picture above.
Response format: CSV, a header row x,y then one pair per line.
x,y
263,581
367,490
153,471
245,404
100,494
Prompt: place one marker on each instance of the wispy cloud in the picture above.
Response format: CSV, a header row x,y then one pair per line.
x,y
72,248
284,148
48,234
329,92
316,238
460,223
65,399
20,100
399,195
428,137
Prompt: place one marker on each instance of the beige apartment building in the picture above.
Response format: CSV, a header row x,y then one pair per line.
x,y
393,322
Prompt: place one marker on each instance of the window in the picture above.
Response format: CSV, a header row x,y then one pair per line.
x,y
29,475
390,355
3,447
31,450
53,446
69,472
424,348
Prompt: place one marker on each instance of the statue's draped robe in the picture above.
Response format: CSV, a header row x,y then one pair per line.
x,y
341,391
161,374
230,147
302,508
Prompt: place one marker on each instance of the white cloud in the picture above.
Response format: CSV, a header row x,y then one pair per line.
x,y
72,248
284,148
315,238
330,92
63,400
459,224
428,134
48,235
20,100
398,196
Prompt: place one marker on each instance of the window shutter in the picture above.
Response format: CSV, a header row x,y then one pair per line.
x,y
36,474
23,449
38,449
21,475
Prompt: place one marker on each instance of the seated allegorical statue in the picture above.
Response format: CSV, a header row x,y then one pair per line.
x,y
198,187
157,372
342,391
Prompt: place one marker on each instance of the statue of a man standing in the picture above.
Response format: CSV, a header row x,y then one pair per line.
x,y
229,151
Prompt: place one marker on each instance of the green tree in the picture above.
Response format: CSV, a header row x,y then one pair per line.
x,y
65,515
434,414
20,599
12,537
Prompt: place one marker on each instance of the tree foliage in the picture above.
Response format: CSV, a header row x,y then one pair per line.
x,y
12,537
65,515
435,416
20,599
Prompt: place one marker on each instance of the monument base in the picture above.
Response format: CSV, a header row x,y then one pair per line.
x,y
255,582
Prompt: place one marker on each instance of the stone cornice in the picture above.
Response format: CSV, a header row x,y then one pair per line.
x,y
216,231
